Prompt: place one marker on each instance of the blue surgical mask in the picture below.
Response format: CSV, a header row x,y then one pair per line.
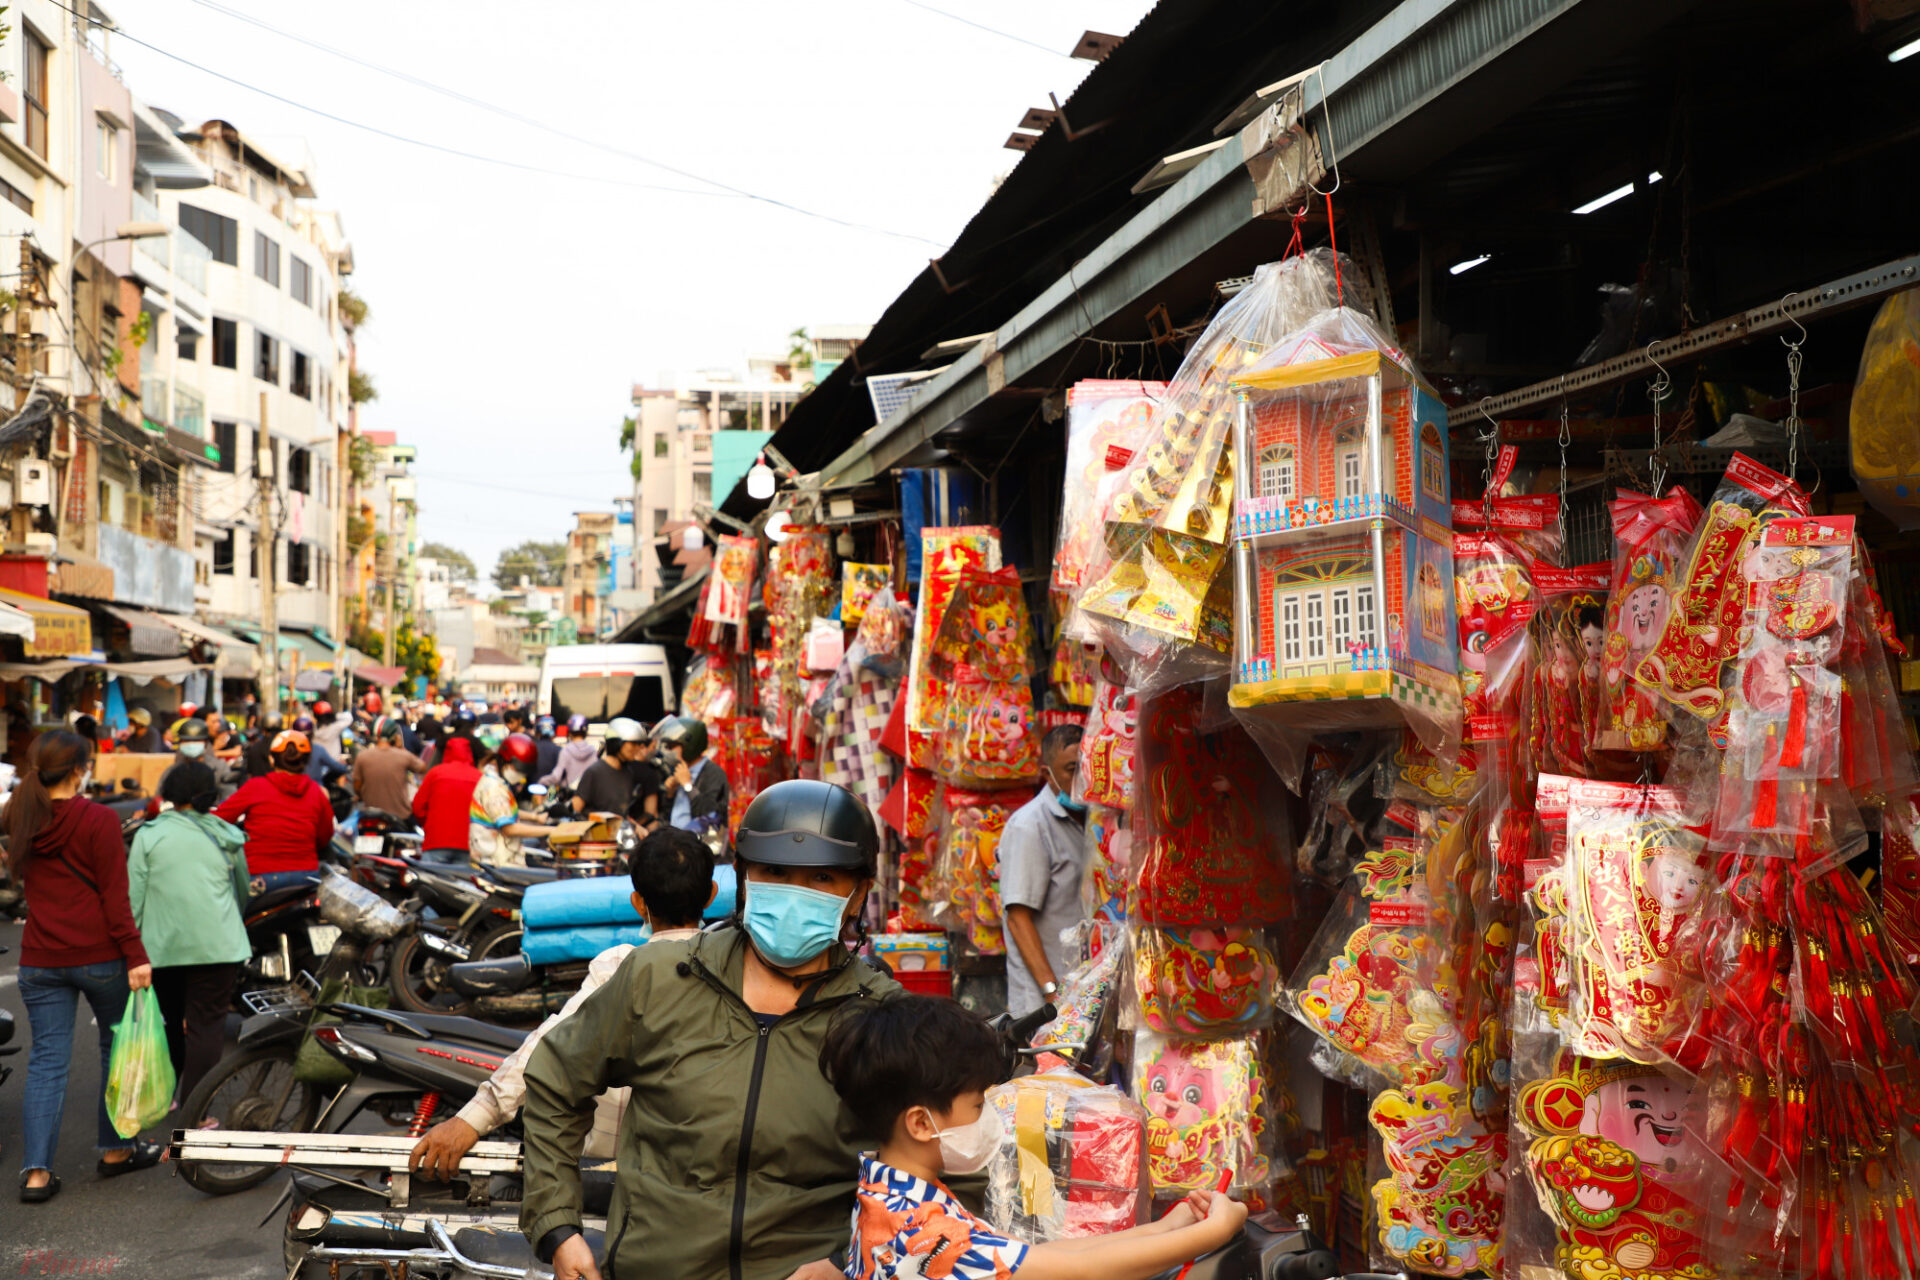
x,y
789,924
1076,808
192,750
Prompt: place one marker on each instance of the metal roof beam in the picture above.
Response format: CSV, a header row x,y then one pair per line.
x,y
1423,51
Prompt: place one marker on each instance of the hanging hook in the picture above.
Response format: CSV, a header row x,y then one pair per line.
x,y
1326,115
1792,346
1659,387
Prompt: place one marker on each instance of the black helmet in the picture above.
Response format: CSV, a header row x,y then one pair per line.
x,y
684,732
807,823
192,730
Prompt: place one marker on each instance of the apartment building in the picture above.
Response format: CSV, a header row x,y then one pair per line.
x,y
587,577
269,359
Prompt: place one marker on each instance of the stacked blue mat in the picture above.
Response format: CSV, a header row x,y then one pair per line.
x,y
578,919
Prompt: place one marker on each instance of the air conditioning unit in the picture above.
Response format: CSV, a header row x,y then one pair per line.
x,y
33,482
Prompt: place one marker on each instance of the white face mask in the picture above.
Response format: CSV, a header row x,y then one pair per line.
x,y
192,750
968,1147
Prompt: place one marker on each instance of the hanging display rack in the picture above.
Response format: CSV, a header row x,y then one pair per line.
x,y
1822,300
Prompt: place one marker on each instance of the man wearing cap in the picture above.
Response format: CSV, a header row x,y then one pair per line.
x,y
608,784
143,737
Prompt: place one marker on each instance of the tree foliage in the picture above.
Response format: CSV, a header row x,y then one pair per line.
x,y
360,388
353,309
456,560
413,650
630,441
544,562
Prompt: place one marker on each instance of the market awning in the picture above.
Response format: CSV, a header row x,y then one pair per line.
x,y
59,630
374,673
15,622
677,601
138,672
314,652
147,632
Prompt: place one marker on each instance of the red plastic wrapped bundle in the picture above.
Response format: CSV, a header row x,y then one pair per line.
x,y
1073,1161
967,867
1650,536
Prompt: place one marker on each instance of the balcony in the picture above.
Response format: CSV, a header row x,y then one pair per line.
x,y
190,261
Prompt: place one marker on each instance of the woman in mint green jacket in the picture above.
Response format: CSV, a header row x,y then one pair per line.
x,y
187,880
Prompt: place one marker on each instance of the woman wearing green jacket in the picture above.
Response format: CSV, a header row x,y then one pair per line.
x,y
737,1160
187,880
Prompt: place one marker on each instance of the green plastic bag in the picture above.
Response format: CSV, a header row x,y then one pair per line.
x,y
140,1073
314,1065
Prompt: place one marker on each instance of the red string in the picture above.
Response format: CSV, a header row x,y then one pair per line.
x,y
1339,290
1295,245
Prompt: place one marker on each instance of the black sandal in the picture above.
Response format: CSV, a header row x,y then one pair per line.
x,y
39,1195
145,1155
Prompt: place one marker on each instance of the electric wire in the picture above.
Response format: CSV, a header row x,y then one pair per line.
x,y
981,26
725,189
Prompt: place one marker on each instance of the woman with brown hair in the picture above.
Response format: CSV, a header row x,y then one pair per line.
x,y
80,939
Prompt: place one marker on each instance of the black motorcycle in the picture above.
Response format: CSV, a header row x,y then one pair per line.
x,y
7,1047
468,913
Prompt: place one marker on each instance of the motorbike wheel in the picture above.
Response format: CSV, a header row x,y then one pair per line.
x,y
253,1089
417,978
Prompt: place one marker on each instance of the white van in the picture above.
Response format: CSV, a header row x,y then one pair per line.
x,y
601,681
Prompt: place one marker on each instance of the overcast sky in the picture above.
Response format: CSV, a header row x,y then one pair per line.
x,y
513,310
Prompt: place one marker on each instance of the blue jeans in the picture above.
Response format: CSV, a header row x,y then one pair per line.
x,y
51,996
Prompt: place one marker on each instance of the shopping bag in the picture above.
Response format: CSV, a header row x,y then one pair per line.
x,y
140,1073
313,1064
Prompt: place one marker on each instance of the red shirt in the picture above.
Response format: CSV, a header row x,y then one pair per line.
x,y
445,798
287,818
70,923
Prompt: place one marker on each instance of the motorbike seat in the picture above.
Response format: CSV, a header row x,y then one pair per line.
x,y
393,820
278,897
459,1028
519,876
503,976
510,1248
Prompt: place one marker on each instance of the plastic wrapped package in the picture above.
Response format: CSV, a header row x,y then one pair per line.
x,y
1638,884
1210,834
1876,760
1107,747
1073,1160
1531,522
1074,671
1441,1206
1343,563
1208,1113
1081,1033
1608,1179
967,866
1650,535
1570,633
1106,419
709,692
1204,983
1784,712
799,588
1156,607
1423,777
1702,628
911,812
945,553
735,560
354,908
750,758
1366,984
982,655
1345,804
858,584
1108,877
853,715
882,633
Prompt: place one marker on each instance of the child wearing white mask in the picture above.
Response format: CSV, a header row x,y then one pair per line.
x,y
914,1072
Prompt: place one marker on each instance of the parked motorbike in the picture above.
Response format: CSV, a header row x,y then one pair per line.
x,y
474,915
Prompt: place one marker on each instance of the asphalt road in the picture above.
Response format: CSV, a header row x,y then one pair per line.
x,y
143,1224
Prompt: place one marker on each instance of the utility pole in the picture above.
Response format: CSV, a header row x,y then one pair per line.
x,y
263,548
20,518
392,532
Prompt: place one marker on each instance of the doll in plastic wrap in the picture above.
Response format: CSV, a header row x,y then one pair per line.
x,y
1206,1111
1613,1163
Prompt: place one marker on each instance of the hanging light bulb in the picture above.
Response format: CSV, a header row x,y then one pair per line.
x,y
777,527
760,479
690,538
843,545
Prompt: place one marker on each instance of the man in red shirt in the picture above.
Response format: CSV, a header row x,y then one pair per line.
x,y
286,815
444,803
